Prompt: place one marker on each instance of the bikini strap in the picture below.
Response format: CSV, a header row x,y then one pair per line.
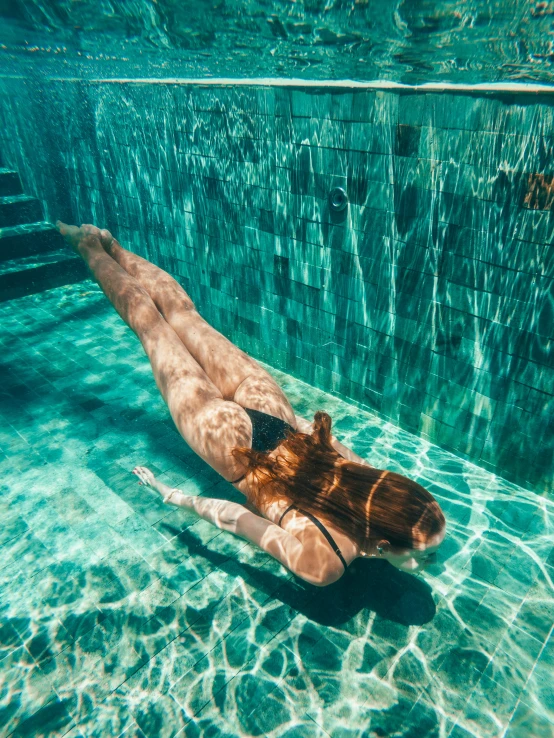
x,y
331,541
236,481
327,535
289,508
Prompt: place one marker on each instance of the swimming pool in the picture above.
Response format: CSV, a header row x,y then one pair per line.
x,y
360,195
428,299
120,616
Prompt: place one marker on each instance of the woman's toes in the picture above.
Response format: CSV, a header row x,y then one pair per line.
x,y
71,233
106,239
64,228
90,230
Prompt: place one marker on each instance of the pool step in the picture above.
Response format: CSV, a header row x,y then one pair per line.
x,y
33,255
10,183
18,209
28,275
28,239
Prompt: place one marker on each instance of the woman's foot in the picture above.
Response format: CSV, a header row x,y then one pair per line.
x,y
107,241
74,235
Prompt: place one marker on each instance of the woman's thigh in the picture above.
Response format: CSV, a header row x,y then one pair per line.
x,y
211,425
238,376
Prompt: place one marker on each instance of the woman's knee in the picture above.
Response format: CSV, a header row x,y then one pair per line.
x,y
142,314
173,301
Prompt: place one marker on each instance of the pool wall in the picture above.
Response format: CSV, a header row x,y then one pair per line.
x,y
429,300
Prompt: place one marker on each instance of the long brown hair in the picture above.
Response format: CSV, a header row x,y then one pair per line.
x,y
365,503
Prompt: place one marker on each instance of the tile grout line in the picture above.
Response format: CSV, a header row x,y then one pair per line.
x,y
523,689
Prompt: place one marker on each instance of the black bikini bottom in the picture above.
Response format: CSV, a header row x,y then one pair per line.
x,y
267,433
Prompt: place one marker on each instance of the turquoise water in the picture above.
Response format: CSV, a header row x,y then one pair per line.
x,y
413,41
120,615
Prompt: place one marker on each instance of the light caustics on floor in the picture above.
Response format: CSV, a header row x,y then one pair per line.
x,y
119,613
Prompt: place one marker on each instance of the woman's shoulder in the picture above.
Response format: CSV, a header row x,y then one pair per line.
x,y
273,509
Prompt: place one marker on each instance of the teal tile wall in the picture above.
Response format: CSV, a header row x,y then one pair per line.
x,y
430,300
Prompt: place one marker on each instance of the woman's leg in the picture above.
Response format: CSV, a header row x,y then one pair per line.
x,y
238,376
208,423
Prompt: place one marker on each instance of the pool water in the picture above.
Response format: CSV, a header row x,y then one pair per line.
x,y
122,616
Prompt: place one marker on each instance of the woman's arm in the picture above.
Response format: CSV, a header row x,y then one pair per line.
x,y
305,427
235,518
172,496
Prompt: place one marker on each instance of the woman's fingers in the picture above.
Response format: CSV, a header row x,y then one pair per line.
x,y
138,471
145,475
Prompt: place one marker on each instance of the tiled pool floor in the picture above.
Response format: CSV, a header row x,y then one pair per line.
x,y
120,615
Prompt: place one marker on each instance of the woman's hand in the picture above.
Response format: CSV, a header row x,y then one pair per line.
x,y
170,494
146,477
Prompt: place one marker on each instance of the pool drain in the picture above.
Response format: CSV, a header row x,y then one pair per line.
x,y
338,199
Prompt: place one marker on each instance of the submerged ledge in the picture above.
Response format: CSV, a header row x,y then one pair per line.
x,y
510,87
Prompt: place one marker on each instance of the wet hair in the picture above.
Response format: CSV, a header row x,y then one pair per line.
x,y
365,503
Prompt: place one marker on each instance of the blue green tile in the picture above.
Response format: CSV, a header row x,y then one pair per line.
x,y
526,721
417,305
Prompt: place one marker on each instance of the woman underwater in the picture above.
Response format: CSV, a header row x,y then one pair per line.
x,y
320,505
